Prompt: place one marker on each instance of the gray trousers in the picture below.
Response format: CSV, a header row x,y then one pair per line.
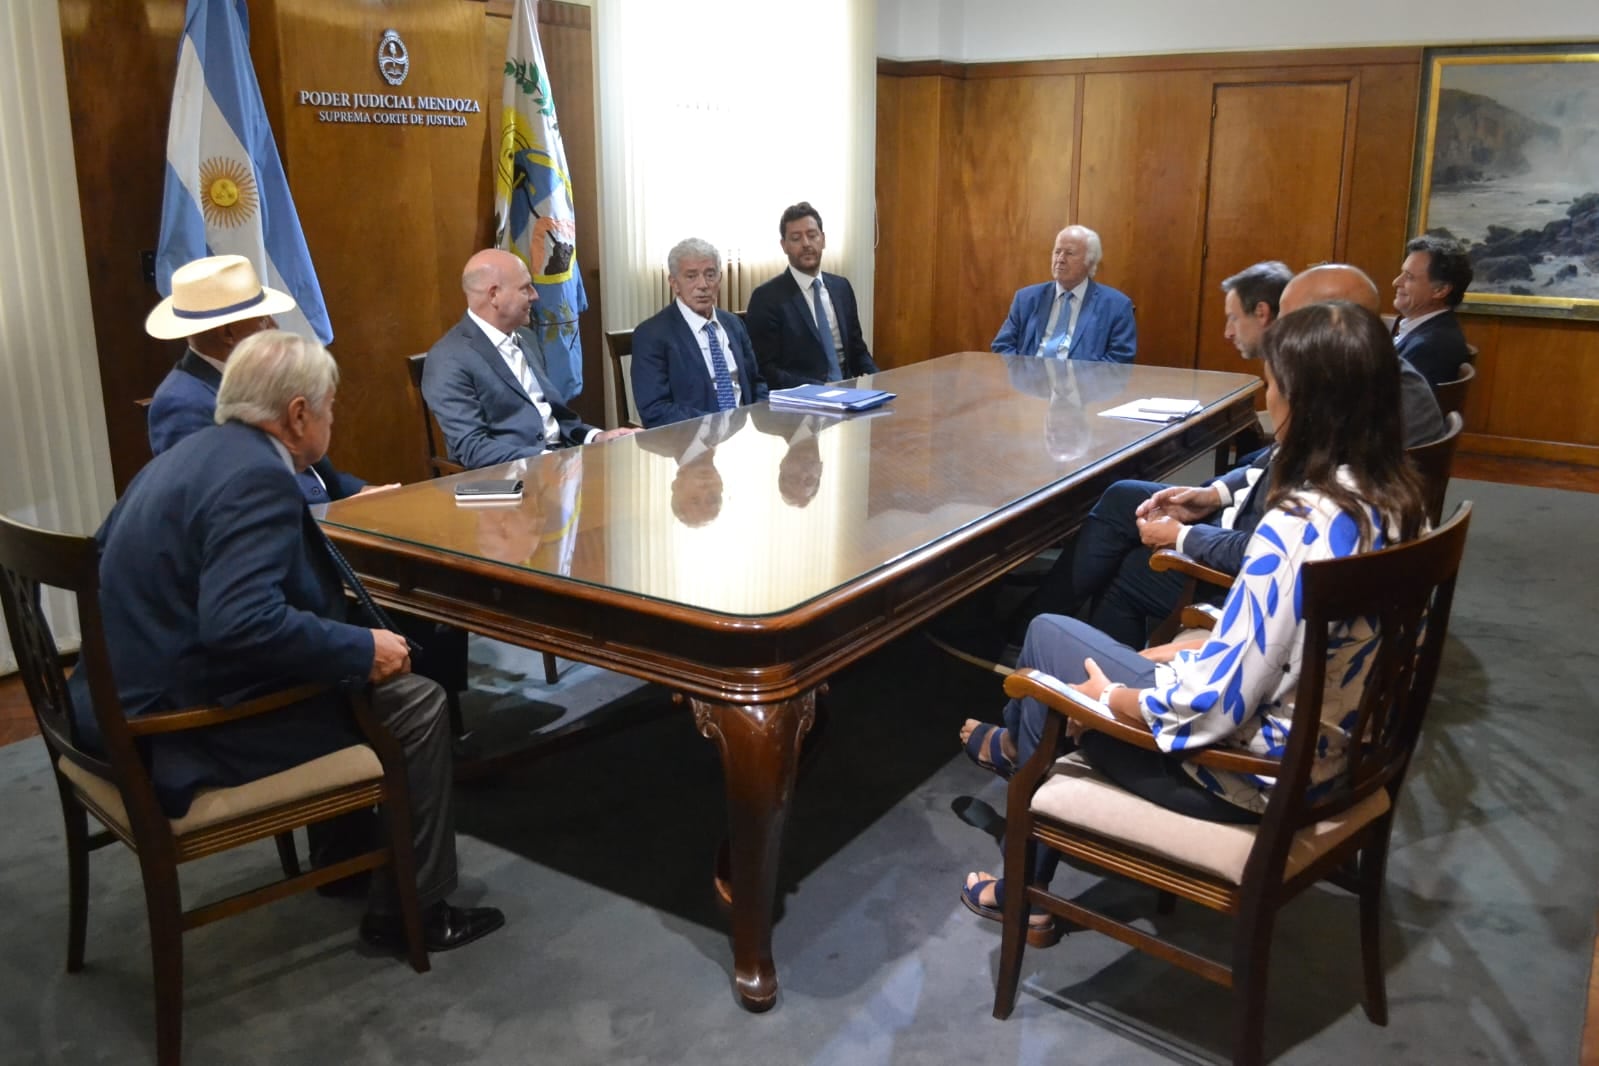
x,y
414,710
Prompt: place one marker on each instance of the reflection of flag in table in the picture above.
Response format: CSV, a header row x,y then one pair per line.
x,y
562,514
225,189
533,207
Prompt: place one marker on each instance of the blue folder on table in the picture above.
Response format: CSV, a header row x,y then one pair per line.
x,y
828,398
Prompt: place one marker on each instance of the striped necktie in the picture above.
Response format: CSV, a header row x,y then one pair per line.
x,y
724,380
1060,337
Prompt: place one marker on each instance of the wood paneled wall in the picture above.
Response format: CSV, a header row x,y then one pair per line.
x,y
979,165
392,287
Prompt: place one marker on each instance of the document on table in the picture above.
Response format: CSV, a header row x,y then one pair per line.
x,y
1155,409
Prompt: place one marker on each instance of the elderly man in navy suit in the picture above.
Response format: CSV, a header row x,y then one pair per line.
x,y
485,379
1073,316
1432,281
216,303
804,323
218,586
691,358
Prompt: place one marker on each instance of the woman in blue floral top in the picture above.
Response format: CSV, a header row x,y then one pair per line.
x,y
1340,485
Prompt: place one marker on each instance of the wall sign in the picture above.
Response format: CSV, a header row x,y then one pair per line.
x,y
389,109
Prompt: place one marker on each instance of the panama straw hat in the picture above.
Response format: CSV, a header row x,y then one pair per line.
x,y
212,292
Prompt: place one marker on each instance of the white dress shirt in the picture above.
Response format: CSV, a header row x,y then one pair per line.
x,y
803,280
1408,324
696,324
1054,313
510,349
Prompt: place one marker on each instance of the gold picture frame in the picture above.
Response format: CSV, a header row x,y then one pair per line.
x,y
1507,161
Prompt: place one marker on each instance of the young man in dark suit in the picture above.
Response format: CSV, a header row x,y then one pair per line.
x,y
485,379
1432,281
692,358
217,586
1073,316
795,343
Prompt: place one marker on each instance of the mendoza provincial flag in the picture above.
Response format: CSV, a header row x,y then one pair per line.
x,y
534,216
225,189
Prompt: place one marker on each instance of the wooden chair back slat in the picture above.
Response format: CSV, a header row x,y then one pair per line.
x,y
1451,395
438,464
1434,461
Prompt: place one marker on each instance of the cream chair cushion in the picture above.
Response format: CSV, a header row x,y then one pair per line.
x,y
212,806
1077,795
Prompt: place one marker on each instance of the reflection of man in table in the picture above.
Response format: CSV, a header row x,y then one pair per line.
x,y
697,488
1068,428
799,473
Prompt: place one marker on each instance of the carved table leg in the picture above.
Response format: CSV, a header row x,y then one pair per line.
x,y
760,746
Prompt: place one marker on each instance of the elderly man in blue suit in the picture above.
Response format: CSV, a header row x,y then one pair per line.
x,y
217,586
1073,316
691,358
485,379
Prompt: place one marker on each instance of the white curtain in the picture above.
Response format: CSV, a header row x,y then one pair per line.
x,y
714,118
57,463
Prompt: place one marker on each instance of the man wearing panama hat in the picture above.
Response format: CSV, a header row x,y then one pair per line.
x,y
216,302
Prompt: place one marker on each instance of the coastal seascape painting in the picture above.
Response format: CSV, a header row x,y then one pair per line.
x,y
1508,163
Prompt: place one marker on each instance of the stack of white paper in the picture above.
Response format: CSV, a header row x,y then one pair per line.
x,y
1155,409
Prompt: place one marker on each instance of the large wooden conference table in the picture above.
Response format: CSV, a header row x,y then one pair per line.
x,y
744,558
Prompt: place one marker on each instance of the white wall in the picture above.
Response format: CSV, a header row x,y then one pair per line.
x,y
987,30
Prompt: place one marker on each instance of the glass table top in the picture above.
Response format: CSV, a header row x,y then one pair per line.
x,y
756,511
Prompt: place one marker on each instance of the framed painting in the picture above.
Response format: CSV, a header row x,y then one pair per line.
x,y
1507,162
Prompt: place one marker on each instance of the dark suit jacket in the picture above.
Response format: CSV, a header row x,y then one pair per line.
x,y
790,349
1105,328
1223,549
670,382
1437,347
217,587
185,402
486,416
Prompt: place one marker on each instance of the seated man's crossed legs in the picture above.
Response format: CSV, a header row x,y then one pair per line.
x,y
1107,565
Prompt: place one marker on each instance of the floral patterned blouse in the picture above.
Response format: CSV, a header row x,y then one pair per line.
x,y
1238,690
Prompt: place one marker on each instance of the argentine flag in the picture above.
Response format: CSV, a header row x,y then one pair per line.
x,y
225,188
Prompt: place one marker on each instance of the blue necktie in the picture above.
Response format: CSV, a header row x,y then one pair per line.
x,y
1058,337
825,328
724,380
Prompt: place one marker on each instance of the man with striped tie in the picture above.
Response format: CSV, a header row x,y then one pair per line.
x,y
1073,316
691,358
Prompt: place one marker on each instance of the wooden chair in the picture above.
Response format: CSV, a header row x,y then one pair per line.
x,y
114,785
443,467
619,343
439,464
1451,395
1250,872
1432,461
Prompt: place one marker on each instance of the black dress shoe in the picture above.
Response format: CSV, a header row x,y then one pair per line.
x,y
443,927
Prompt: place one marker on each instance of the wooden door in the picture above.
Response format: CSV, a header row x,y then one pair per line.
x,y
1279,160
